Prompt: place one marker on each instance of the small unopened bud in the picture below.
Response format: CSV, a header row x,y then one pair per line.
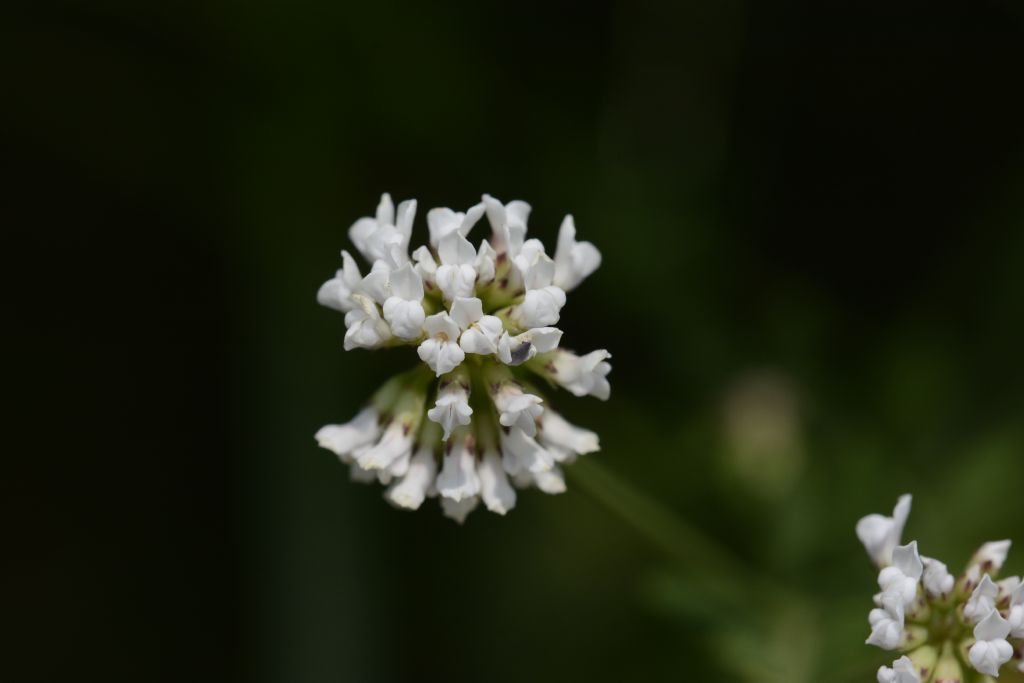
x,y
963,648
409,407
919,611
913,636
947,668
924,659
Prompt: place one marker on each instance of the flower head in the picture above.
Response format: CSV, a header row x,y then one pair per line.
x,y
939,620
471,423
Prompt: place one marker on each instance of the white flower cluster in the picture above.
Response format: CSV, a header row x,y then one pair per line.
x,y
471,424
953,629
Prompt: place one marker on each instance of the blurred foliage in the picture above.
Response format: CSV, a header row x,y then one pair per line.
x,y
824,195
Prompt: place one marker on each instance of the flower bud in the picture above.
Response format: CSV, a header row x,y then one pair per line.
x,y
947,668
988,559
924,659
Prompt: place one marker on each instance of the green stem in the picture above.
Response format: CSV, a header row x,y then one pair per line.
x,y
721,571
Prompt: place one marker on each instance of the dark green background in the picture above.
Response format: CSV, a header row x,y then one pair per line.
x,y
824,193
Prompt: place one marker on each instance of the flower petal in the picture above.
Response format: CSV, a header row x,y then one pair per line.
x,y
385,210
466,311
456,250
407,283
495,489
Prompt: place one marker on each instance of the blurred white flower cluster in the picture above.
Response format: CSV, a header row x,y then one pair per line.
x,y
471,424
961,629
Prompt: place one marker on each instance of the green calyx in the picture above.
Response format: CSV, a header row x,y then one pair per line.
x,y
937,640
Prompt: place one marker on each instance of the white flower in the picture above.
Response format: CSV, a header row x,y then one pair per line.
x,y
521,452
1016,614
390,243
410,491
522,347
940,613
508,222
543,301
458,479
456,276
880,534
396,442
982,600
540,308
902,671
515,407
535,268
482,336
366,328
937,580
376,286
361,230
396,470
581,375
480,332
519,410
443,221
991,650
426,266
452,407
481,316
902,577
358,474
404,308
495,489
485,263
459,509
441,350
574,261
362,430
563,440
988,559
887,623
336,293
550,481
385,238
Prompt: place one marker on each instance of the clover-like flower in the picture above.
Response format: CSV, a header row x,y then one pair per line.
x,y
942,623
473,422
